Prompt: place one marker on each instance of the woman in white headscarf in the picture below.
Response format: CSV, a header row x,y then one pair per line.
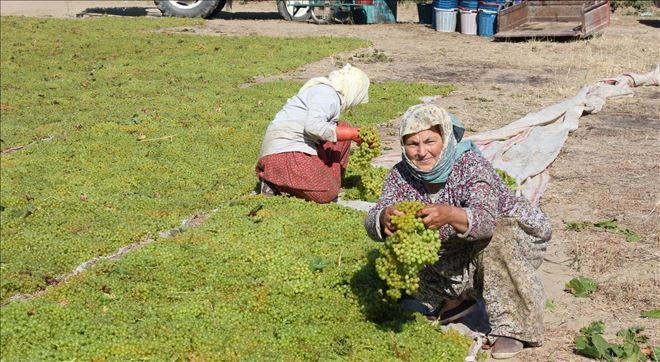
x,y
492,241
305,148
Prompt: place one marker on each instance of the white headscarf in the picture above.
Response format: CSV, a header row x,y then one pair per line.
x,y
351,84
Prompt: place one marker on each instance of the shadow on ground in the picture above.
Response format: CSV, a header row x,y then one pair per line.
x,y
146,11
248,16
654,23
128,11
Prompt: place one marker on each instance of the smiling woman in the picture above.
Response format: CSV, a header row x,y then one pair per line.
x,y
492,240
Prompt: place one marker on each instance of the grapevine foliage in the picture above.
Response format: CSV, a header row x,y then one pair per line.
x,y
407,251
370,178
509,180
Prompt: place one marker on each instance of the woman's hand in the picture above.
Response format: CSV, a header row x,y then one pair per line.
x,y
436,215
347,133
386,219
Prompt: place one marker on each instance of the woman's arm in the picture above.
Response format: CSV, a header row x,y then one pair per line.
x,y
480,194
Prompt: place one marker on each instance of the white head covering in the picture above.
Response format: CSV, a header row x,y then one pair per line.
x,y
351,84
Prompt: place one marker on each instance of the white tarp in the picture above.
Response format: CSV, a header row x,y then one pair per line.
x,y
526,147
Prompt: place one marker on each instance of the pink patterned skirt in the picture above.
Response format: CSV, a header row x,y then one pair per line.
x,y
310,177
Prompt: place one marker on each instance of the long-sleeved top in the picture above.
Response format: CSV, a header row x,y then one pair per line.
x,y
307,119
472,185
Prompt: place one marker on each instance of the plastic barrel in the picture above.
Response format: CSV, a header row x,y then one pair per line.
x,y
425,13
492,5
468,22
468,4
445,20
445,4
487,21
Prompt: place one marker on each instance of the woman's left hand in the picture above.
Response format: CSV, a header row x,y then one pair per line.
x,y
436,215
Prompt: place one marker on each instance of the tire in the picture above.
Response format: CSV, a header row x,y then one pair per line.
x,y
188,8
289,12
321,14
218,9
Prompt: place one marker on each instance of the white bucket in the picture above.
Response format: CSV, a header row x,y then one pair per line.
x,y
445,20
469,22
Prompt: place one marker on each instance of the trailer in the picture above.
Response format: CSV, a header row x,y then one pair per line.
x,y
542,19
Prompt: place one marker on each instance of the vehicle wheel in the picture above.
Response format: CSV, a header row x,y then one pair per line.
x,y
288,11
321,14
218,9
188,8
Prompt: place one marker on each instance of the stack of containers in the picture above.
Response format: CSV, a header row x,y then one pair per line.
x,y
425,13
445,15
487,18
468,4
468,11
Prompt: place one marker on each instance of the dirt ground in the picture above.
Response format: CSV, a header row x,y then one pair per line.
x,y
608,168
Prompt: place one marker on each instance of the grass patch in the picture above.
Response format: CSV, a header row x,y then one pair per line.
x,y
144,130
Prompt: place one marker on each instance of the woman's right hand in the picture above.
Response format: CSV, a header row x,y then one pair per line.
x,y
347,133
386,219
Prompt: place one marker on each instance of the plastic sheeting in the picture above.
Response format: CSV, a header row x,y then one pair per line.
x,y
526,147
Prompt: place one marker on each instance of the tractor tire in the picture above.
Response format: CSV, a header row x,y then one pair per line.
x,y
218,9
291,13
189,8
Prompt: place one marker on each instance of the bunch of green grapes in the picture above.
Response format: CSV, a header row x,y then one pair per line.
x,y
370,178
367,150
371,183
407,251
509,180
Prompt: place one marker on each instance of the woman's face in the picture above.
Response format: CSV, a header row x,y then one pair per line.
x,y
423,148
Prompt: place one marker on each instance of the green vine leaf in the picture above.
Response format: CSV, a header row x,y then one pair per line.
x,y
581,286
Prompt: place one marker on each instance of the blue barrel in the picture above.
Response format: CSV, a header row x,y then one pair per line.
x,y
468,4
492,5
445,4
486,22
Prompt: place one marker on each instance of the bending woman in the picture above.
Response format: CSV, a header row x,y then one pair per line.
x,y
306,149
492,240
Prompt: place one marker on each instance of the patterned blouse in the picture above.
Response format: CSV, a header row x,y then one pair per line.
x,y
472,185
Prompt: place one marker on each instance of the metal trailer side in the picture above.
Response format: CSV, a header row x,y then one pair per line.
x,y
535,19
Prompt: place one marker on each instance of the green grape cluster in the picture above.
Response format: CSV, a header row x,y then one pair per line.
x,y
509,180
407,251
370,178
367,150
371,183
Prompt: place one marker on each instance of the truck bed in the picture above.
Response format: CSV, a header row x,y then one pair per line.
x,y
553,19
